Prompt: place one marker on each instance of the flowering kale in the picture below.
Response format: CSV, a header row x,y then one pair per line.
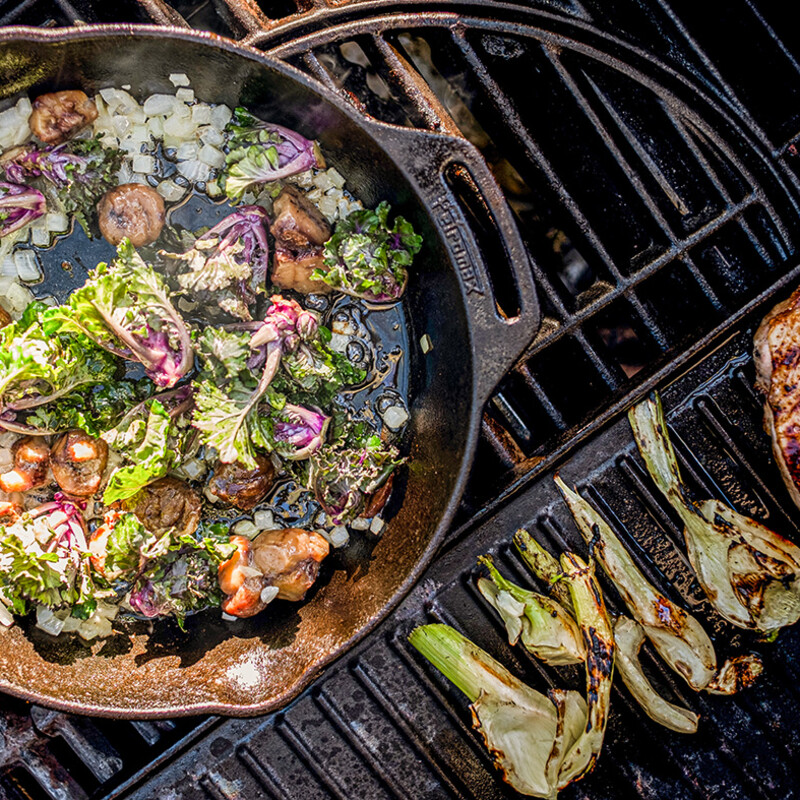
x,y
19,205
145,441
37,368
260,152
227,418
80,171
368,258
44,560
125,308
299,431
345,473
230,262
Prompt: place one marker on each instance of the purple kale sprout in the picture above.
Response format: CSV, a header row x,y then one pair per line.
x,y
300,431
231,257
285,325
19,205
261,152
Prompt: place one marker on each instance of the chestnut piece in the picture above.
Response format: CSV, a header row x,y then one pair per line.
x,y
132,210
59,115
78,462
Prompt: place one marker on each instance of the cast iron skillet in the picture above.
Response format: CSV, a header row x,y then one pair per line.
x,y
256,666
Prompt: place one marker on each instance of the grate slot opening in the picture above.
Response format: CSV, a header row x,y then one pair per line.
x,y
622,338
73,764
18,784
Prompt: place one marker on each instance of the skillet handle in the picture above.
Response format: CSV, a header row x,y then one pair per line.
x,y
497,341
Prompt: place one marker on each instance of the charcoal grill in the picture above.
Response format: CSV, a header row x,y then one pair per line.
x,y
648,149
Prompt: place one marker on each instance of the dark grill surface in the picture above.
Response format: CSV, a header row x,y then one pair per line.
x,y
648,151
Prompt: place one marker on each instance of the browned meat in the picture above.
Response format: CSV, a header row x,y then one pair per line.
x,y
287,560
78,462
59,115
241,487
167,504
777,357
31,458
293,271
5,318
132,210
298,223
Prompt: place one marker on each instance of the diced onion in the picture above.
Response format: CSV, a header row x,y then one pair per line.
x,y
201,114
194,170
377,525
48,621
187,151
56,222
211,156
395,417
179,128
339,536
145,164
269,593
185,95
40,237
179,79
27,262
5,616
159,105
264,519
211,136
246,528
360,524
220,116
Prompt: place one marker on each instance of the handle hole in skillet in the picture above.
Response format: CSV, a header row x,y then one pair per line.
x,y
490,242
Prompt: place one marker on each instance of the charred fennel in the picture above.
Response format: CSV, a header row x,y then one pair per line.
x,y
677,636
545,629
544,566
750,574
595,625
629,636
540,745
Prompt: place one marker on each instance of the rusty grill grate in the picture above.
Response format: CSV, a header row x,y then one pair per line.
x,y
648,151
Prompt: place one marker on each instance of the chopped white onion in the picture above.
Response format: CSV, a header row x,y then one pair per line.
x,y
145,164
48,621
156,126
5,616
264,519
377,525
187,151
201,114
211,156
194,170
27,261
246,528
41,238
339,536
159,105
395,417
179,79
179,128
220,116
360,524
56,222
185,95
210,135
268,594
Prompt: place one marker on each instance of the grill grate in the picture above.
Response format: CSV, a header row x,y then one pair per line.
x,y
651,163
